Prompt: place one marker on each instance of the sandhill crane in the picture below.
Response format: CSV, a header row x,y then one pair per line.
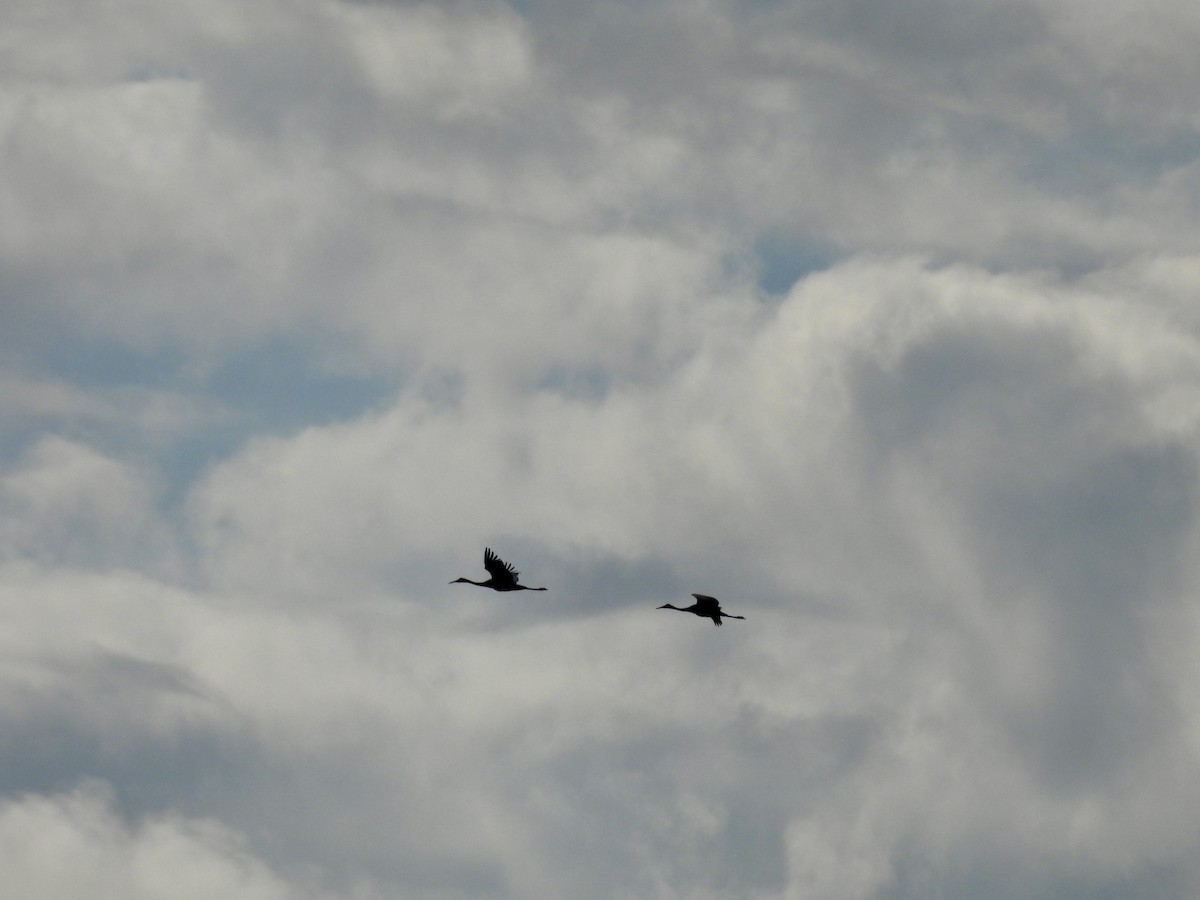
x,y
504,576
705,606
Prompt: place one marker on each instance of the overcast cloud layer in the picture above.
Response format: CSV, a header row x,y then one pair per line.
x,y
880,321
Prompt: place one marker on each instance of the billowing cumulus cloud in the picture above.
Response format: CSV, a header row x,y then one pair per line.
x,y
875,321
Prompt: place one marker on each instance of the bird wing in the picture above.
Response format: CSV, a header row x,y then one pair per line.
x,y
501,572
706,605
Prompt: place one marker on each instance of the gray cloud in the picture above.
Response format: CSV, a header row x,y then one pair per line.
x,y
1078,519
876,321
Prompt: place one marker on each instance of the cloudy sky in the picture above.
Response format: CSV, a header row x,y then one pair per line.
x,y
877,319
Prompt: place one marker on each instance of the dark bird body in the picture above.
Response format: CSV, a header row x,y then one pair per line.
x,y
504,576
706,607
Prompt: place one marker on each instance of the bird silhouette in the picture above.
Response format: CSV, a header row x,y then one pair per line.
x,y
706,607
504,576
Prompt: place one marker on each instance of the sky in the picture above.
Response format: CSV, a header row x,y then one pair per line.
x,y
879,321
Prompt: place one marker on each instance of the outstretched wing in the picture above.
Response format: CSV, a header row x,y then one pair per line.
x,y
501,572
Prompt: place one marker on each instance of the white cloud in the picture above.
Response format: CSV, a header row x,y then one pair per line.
x,y
76,845
920,444
69,504
737,443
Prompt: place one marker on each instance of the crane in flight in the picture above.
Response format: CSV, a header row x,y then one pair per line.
x,y
706,607
504,576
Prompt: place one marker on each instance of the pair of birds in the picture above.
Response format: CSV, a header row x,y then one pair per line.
x,y
504,578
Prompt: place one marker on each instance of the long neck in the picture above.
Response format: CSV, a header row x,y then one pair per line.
x,y
521,587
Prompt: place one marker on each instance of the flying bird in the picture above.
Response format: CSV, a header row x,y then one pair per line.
x,y
705,606
504,576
